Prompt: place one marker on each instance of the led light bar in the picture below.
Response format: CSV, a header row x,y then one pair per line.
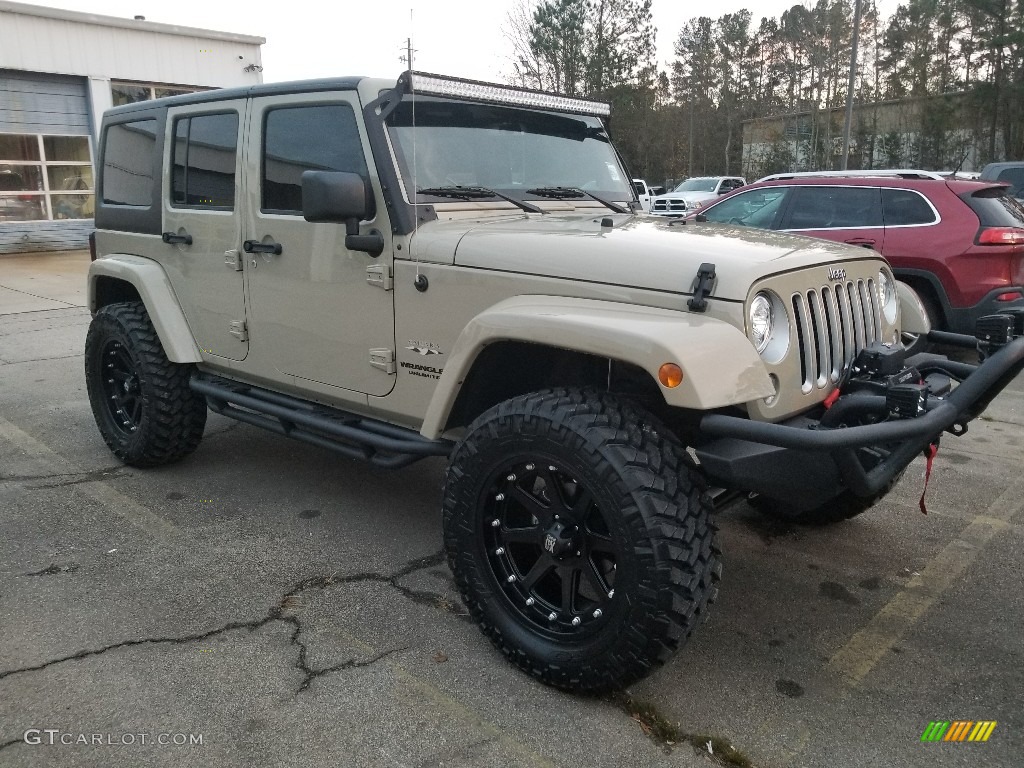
x,y
439,85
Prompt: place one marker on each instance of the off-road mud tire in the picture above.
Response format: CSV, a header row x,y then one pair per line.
x,y
165,419
658,521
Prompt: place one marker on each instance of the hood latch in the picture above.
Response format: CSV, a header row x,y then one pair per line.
x,y
702,286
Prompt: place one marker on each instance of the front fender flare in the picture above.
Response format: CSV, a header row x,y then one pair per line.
x,y
152,285
720,366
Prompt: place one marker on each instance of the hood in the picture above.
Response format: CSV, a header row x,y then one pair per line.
x,y
636,251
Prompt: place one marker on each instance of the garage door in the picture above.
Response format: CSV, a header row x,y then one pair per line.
x,y
46,177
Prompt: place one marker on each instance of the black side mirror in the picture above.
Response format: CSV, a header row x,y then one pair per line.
x,y
342,198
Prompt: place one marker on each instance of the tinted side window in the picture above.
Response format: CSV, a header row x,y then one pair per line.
x,y
904,207
756,208
128,163
203,161
817,207
310,138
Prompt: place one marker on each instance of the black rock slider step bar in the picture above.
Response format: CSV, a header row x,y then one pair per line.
x,y
357,437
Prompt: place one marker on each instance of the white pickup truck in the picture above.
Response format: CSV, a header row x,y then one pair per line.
x,y
643,192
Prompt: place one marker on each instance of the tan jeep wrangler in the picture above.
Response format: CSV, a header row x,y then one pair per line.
x,y
436,267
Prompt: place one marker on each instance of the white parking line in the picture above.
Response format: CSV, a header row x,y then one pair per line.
x,y
97,490
871,643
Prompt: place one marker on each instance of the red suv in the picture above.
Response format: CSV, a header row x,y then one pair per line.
x,y
959,244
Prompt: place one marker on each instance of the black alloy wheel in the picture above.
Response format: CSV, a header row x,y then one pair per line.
x,y
580,537
549,547
122,391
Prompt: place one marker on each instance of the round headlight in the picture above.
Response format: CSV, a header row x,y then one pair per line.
x,y
761,321
887,295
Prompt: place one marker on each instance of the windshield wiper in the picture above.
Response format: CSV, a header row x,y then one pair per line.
x,y
570,193
477,193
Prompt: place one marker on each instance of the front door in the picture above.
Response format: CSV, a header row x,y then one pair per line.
x,y
314,314
202,225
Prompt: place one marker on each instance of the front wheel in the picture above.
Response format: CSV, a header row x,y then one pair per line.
x,y
579,537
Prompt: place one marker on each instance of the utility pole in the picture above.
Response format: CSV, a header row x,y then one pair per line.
x,y
407,59
849,91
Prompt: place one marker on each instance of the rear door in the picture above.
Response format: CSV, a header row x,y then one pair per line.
x,y
910,222
202,224
844,214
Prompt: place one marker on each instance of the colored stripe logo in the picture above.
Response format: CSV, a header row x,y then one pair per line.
x,y
958,730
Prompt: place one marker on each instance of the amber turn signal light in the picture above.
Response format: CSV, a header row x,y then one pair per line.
x,y
670,375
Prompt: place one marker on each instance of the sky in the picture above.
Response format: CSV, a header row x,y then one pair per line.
x,y
463,38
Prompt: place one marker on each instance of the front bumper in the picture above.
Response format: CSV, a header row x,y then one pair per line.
x,y
806,464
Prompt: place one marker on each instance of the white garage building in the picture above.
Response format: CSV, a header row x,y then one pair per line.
x,y
59,70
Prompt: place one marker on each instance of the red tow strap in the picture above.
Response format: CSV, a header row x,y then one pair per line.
x,y
929,453
829,401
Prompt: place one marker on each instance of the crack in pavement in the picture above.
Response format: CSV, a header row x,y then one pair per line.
x,y
86,476
42,359
421,597
54,569
10,743
276,613
68,304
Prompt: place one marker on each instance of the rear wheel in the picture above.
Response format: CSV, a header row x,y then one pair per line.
x,y
142,403
580,539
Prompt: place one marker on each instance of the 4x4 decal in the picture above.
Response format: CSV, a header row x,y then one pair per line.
x,y
424,348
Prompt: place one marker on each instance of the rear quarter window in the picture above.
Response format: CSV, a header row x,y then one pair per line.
x,y
905,207
128,166
995,208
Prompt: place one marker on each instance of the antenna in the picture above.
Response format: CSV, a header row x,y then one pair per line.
x,y
410,50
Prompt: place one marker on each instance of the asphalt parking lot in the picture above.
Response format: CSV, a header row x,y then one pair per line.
x,y
265,602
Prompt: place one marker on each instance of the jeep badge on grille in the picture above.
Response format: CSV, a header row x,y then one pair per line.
x,y
836,273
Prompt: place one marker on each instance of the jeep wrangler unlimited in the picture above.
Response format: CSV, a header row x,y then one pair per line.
x,y
438,267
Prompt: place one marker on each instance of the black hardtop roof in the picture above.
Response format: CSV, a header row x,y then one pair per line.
x,y
249,91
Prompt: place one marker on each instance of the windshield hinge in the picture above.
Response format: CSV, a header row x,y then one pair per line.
x,y
702,286
379,275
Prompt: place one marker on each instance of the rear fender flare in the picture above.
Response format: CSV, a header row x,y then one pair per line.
x,y
151,283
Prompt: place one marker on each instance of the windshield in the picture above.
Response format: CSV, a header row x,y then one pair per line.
x,y
697,185
504,149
